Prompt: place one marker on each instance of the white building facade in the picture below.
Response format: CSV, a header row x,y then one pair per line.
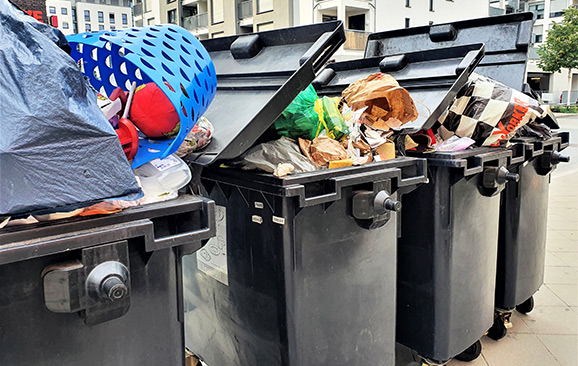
x,y
80,16
552,86
362,17
61,10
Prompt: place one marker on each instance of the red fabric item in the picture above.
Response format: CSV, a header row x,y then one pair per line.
x,y
153,113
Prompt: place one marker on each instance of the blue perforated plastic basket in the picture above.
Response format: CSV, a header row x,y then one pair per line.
x,y
159,54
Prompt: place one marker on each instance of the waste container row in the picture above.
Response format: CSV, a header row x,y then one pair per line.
x,y
312,269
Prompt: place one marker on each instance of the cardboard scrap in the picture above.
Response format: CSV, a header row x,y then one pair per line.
x,y
388,104
323,150
340,163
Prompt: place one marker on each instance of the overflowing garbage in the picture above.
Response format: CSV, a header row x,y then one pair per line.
x,y
72,154
366,124
58,152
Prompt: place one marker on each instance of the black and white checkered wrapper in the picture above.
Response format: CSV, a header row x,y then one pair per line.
x,y
488,112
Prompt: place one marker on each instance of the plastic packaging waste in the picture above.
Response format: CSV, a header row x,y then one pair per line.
x,y
161,179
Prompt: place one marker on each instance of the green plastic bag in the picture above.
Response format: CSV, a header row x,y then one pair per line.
x,y
300,119
332,118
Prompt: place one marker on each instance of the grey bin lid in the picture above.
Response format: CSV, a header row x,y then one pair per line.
x,y
258,76
432,77
507,39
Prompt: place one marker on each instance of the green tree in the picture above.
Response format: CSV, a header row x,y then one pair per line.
x,y
560,51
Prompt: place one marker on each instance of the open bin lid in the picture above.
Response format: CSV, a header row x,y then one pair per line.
x,y
258,76
506,38
432,77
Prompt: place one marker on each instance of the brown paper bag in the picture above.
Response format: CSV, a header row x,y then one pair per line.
x,y
323,150
388,104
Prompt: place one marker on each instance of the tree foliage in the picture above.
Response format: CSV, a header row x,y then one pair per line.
x,y
560,51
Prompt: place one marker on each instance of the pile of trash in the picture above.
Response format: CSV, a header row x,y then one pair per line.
x,y
365,124
354,129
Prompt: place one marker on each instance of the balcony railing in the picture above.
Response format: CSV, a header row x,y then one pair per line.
x,y
196,21
355,39
245,9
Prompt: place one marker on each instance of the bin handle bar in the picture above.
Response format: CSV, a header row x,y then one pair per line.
x,y
203,233
338,183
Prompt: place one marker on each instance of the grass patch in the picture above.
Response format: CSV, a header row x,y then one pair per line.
x,y
559,109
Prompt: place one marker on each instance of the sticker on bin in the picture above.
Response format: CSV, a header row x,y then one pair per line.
x,y
212,258
166,163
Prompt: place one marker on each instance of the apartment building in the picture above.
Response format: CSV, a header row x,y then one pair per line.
x,y
553,87
147,12
60,15
89,15
362,17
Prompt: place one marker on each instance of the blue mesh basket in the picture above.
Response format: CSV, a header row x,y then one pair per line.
x,y
160,54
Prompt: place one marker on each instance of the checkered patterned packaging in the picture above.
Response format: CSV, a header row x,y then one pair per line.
x,y
488,112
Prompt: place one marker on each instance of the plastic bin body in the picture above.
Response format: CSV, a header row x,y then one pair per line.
x,y
524,205
438,313
40,263
447,253
303,281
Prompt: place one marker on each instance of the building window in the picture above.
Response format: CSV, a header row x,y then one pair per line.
x,y
264,6
87,15
52,10
87,27
100,27
73,15
407,22
217,11
538,10
537,33
328,18
111,18
407,4
557,8
100,17
124,19
112,27
431,8
64,25
172,16
63,11
356,22
74,27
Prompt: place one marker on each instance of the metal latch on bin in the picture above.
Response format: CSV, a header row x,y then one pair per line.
x,y
494,177
374,207
97,285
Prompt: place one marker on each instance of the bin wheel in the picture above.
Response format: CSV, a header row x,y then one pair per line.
x,y
474,351
527,306
498,329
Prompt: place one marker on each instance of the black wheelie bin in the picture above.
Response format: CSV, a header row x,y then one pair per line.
x,y
100,291
523,228
449,228
524,204
302,270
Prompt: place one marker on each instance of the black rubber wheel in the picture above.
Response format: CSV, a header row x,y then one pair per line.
x,y
527,306
474,351
498,330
